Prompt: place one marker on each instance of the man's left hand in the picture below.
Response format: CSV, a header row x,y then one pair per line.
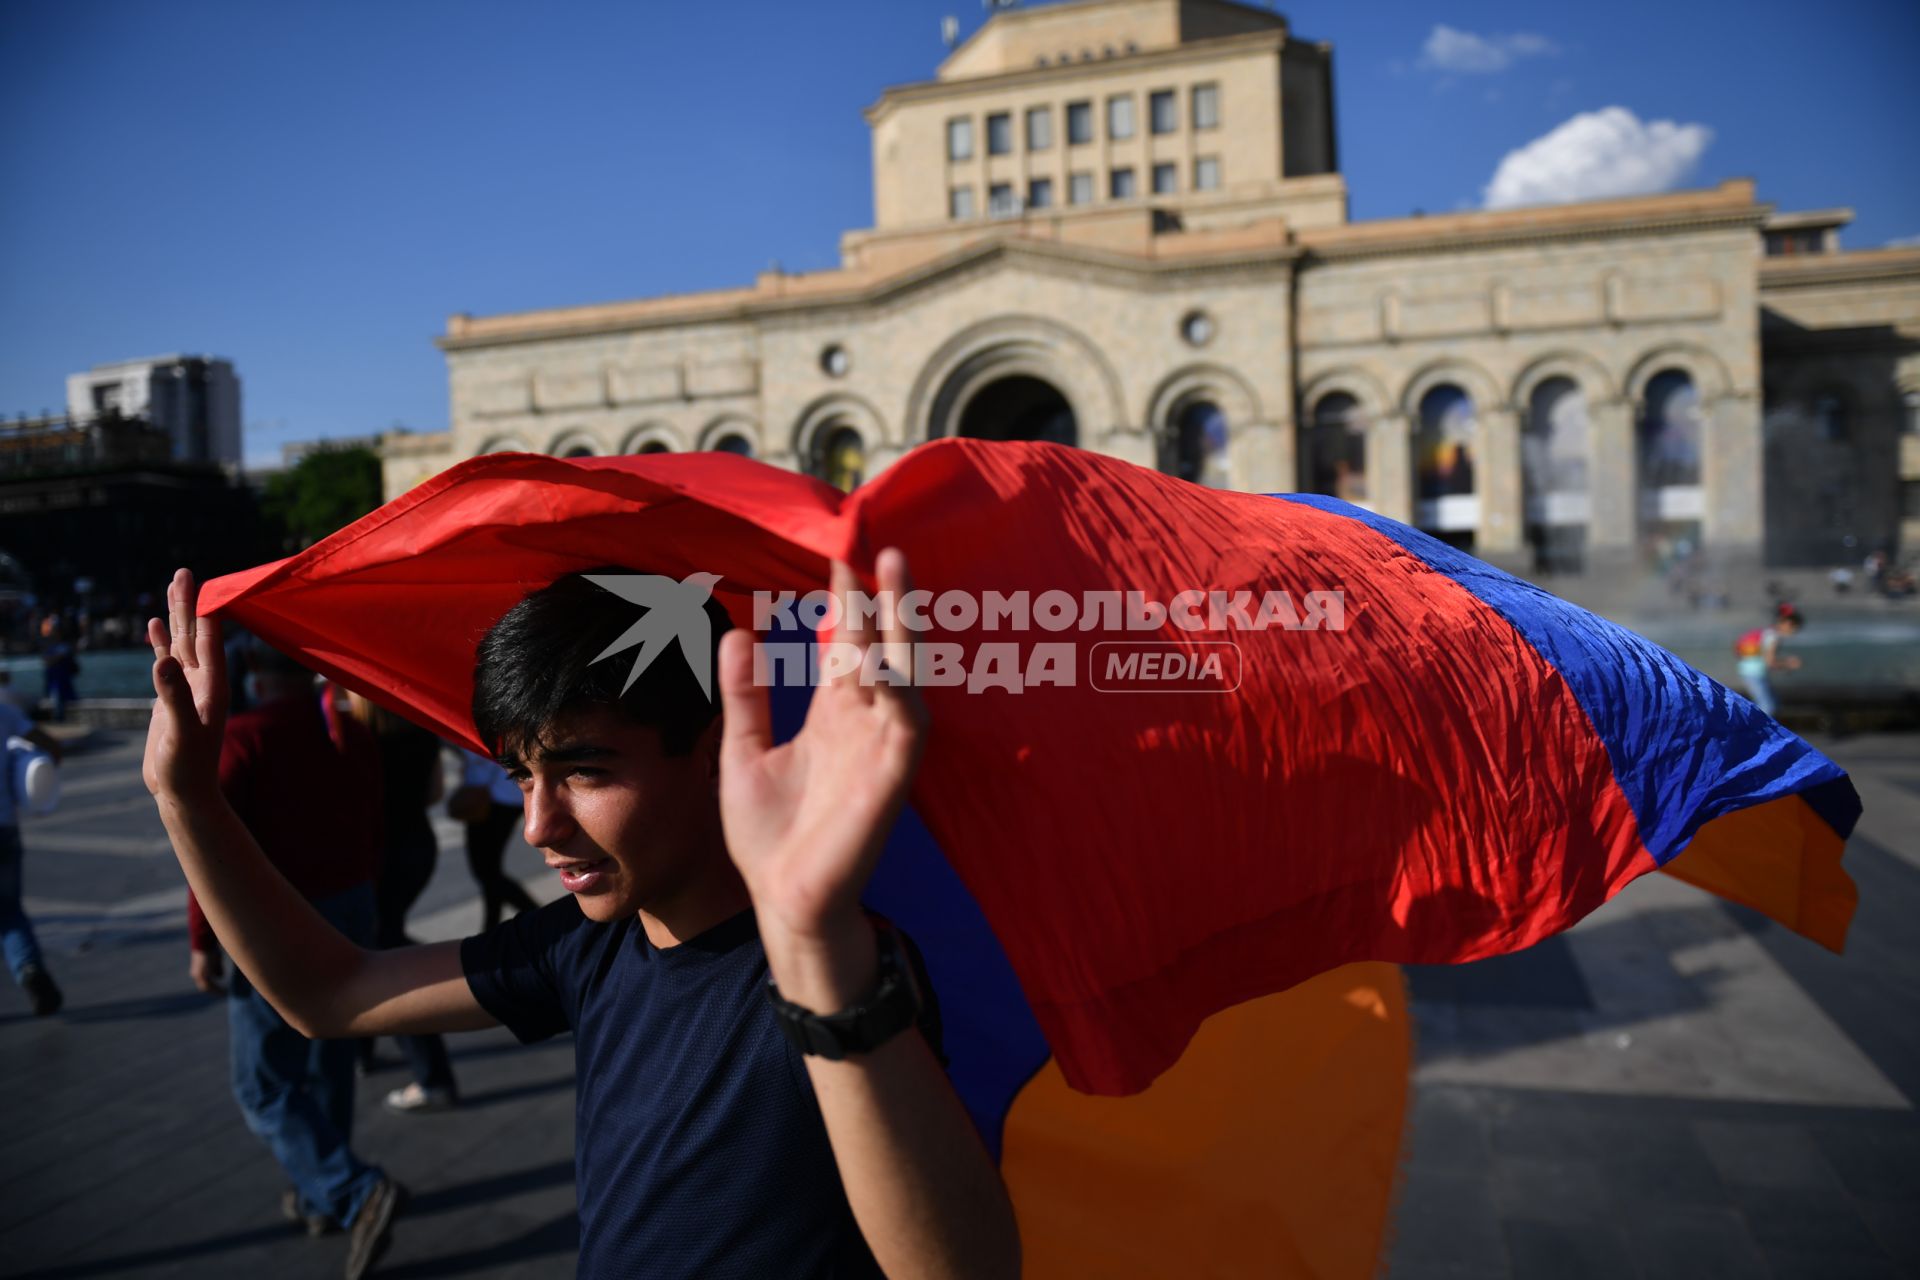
x,y
805,821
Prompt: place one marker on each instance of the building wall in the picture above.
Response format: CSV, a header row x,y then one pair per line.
x,y
1610,313
1841,342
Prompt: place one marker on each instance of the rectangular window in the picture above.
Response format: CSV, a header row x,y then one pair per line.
x,y
1039,128
960,138
1040,193
1206,173
1163,113
1120,116
1206,106
960,202
1165,179
1079,188
1079,123
1120,184
1000,201
1000,134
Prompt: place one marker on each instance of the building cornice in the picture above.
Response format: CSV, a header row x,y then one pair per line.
x,y
1453,233
1823,270
746,306
1198,51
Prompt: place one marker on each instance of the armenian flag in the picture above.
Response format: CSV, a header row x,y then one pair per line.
x,y
1162,915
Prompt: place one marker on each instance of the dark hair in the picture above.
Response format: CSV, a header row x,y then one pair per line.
x,y
1789,613
537,663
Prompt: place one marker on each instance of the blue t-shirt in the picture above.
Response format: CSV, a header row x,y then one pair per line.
x,y
699,1146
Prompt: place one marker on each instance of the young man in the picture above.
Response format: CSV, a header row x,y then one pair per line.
x,y
702,860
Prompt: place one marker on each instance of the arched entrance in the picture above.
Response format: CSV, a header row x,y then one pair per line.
x,y
1446,500
1671,435
1554,442
1019,407
1196,445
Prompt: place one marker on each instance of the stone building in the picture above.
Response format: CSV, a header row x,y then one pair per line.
x,y
1121,224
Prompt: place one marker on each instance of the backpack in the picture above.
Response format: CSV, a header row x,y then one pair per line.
x,y
1751,644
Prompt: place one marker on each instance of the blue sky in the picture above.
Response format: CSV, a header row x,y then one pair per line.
x,y
311,189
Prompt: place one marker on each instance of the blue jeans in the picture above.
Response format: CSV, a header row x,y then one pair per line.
x,y
296,1093
16,931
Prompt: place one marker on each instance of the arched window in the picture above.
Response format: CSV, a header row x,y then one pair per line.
x,y
578,451
1334,449
654,446
1672,428
1553,472
1446,504
734,443
1197,442
840,457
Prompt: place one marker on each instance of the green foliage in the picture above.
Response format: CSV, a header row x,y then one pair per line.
x,y
328,489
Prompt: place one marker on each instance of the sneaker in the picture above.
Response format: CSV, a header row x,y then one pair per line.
x,y
417,1099
316,1224
372,1229
42,990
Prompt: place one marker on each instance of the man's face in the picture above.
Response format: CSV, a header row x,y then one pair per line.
x,y
626,825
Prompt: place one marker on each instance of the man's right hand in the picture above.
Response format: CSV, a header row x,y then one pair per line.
x,y
190,711
206,971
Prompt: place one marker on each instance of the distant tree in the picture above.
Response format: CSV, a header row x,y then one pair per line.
x,y
326,490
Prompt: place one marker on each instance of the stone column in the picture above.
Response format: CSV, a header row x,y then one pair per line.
x,y
1390,467
1613,500
1259,458
1130,444
1501,537
1734,474
882,456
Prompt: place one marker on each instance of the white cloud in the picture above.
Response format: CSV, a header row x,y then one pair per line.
x,y
1595,155
1903,242
1448,49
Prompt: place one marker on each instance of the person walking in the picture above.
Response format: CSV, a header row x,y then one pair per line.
x,y
314,810
1759,653
22,948
409,785
490,804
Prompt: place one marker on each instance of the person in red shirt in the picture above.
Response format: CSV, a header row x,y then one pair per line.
x,y
314,809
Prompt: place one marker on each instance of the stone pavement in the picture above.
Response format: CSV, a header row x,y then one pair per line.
x,y
125,1153
1675,1088
1681,1088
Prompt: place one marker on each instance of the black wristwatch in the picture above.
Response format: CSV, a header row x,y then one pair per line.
x,y
890,1008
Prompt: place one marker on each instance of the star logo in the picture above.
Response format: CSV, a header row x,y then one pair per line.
x,y
674,611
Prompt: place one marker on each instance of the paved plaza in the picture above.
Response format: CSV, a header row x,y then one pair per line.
x,y
1675,1088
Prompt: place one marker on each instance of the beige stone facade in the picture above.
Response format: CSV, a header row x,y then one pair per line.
x,y
1558,388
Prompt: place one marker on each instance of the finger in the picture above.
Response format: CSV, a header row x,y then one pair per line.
x,y
852,628
746,729
895,581
213,657
158,638
175,694
180,601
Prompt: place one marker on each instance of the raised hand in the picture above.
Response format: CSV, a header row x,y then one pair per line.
x,y
805,821
190,707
